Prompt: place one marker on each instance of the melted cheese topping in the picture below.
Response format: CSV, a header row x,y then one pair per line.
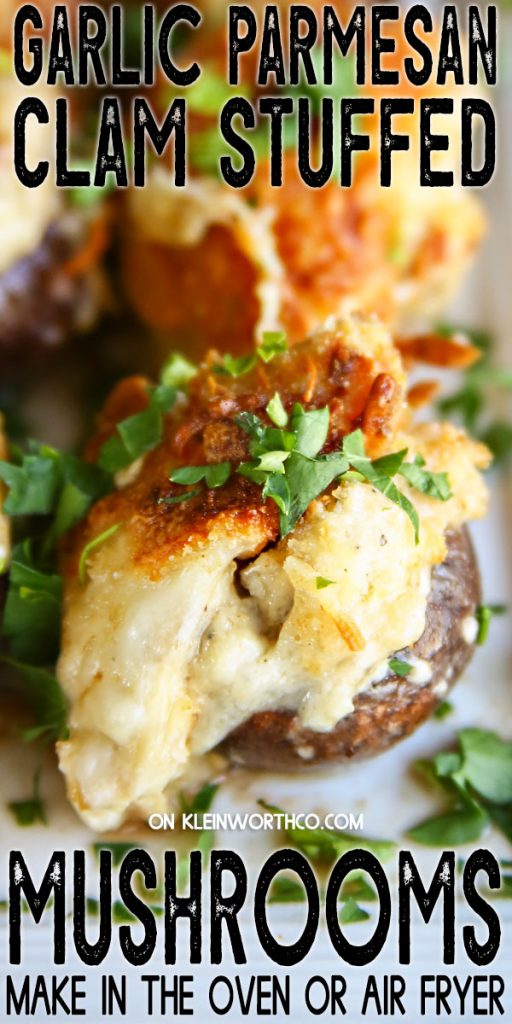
x,y
159,671
25,213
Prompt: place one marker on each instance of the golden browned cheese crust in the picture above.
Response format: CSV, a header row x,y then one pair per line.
x,y
327,369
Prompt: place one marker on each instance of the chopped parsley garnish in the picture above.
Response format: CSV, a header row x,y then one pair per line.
x,y
276,411
33,480
352,913
323,846
471,403
436,485
178,499
484,615
29,812
322,582
399,667
31,620
201,801
287,464
45,482
214,475
233,366
476,780
177,371
357,888
380,473
286,890
273,343
46,699
443,711
138,434
91,546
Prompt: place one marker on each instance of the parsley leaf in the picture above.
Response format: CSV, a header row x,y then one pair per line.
x,y
486,764
33,483
498,437
47,701
201,802
177,371
306,479
477,780
469,404
286,890
484,615
379,473
45,482
311,429
443,711
32,610
276,411
273,343
436,485
465,823
214,475
29,812
138,434
233,366
352,913
177,499
357,888
326,845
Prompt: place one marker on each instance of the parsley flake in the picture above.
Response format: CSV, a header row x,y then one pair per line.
x,y
276,411
233,366
273,343
47,701
476,780
91,546
352,913
399,667
138,434
484,614
32,610
177,499
177,371
322,583
214,475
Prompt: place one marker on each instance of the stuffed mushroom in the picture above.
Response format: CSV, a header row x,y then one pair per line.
x,y
209,265
277,542
50,281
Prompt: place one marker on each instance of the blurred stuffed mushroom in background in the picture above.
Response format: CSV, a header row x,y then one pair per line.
x,y
52,242
210,265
